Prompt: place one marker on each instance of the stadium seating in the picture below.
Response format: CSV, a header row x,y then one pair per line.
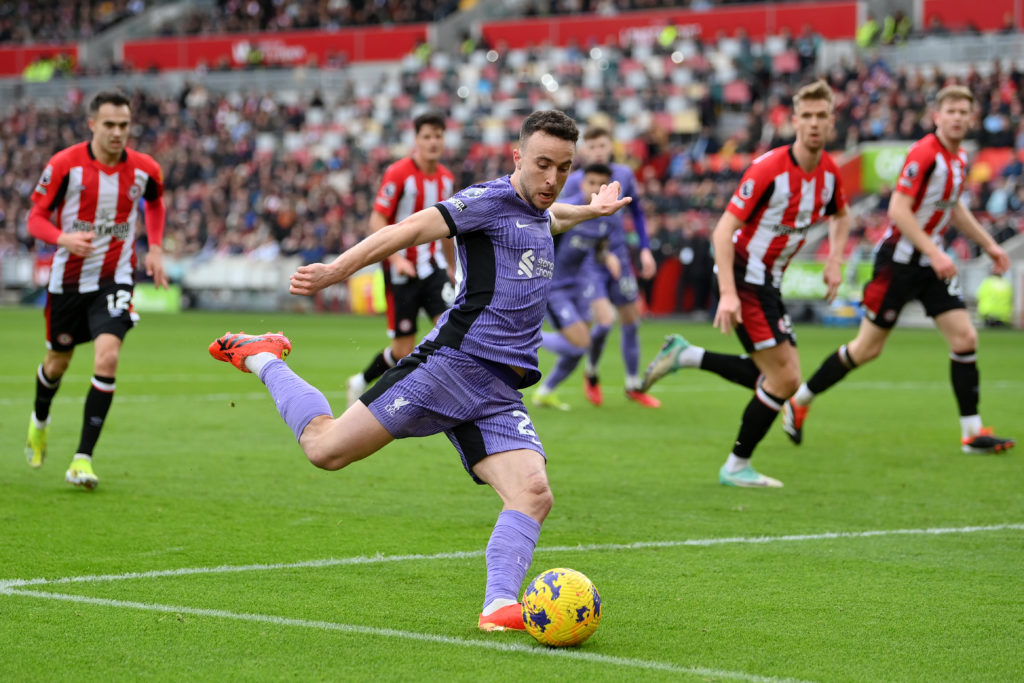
x,y
250,173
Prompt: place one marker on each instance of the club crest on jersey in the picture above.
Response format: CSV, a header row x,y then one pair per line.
x,y
134,191
396,405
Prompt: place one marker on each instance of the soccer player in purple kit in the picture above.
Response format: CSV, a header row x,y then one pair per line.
x,y
568,307
618,290
463,378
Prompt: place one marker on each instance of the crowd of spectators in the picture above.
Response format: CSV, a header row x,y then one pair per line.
x,y
61,21
64,21
606,7
233,16
265,174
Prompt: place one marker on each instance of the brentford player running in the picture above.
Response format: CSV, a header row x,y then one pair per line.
x,y
417,277
910,264
87,203
782,195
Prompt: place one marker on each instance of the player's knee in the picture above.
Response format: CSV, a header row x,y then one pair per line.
x,y
54,368
402,347
964,341
324,457
539,497
320,449
861,353
106,364
787,384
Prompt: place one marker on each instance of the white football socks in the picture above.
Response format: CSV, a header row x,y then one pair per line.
x,y
734,464
256,362
690,357
970,425
803,395
496,604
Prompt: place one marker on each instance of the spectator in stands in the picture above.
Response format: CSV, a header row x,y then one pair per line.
x,y
995,301
868,32
896,28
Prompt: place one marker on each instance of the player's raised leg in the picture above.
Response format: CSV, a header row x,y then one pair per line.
x,y
678,353
328,443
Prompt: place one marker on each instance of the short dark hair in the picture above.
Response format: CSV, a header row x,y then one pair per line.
x,y
552,122
430,118
599,169
597,132
114,97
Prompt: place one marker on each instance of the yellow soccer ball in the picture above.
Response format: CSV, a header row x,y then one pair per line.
x,y
561,607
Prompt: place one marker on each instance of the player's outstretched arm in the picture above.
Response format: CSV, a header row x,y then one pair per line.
x,y
838,235
605,202
419,228
965,222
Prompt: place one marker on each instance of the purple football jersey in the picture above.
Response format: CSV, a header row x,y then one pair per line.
x,y
575,246
506,254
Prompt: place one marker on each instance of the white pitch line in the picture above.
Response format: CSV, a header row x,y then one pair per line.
x,y
7,584
577,655
862,385
665,387
168,398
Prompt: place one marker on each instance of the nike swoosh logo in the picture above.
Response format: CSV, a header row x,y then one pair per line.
x,y
524,225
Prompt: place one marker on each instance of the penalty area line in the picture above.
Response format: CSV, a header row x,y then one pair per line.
x,y
7,584
575,655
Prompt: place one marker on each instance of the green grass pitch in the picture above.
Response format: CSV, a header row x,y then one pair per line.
x,y
212,550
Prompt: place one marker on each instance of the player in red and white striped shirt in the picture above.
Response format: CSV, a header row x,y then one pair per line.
x,y
782,195
86,202
910,264
415,278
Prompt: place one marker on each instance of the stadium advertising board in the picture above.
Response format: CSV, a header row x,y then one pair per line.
x,y
832,20
881,164
14,60
293,48
803,280
957,15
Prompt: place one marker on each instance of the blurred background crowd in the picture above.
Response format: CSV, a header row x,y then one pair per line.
x,y
262,173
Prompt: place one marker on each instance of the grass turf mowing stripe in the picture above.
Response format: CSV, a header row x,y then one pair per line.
x,y
8,584
641,664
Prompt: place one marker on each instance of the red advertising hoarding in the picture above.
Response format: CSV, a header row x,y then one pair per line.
x,y
957,15
832,20
13,60
291,48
